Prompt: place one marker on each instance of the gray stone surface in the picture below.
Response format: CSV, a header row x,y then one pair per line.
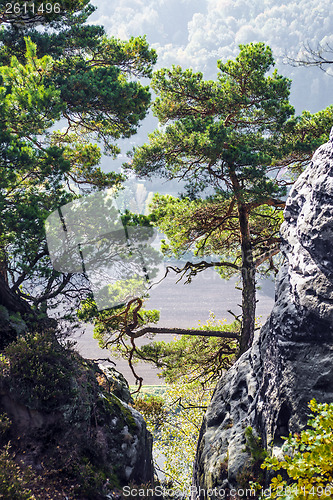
x,y
290,362
85,422
117,383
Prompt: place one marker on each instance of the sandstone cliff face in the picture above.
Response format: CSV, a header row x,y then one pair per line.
x,y
291,361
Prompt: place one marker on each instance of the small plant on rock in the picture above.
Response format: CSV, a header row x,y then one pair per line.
x,y
309,462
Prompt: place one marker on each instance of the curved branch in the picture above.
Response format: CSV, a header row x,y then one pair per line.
x,y
195,268
12,301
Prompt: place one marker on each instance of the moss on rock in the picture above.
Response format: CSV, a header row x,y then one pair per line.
x,y
65,424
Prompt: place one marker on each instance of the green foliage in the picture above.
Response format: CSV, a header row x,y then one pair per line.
x,y
25,88
38,370
188,357
175,420
77,450
27,16
90,479
308,459
304,130
113,327
193,357
153,409
254,445
5,424
219,122
228,139
186,224
71,71
252,474
13,480
111,321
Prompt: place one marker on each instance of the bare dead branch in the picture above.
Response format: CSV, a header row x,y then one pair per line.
x,y
194,268
321,57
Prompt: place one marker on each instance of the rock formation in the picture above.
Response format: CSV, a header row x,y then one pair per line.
x,y
70,421
291,361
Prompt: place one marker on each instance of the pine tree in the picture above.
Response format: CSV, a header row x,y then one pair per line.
x,y
230,137
72,72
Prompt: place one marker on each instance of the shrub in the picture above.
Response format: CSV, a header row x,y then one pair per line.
x,y
38,371
13,481
175,420
309,462
152,408
5,424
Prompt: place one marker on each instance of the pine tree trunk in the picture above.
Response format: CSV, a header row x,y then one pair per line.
x,y
248,267
8,298
249,282
11,300
3,264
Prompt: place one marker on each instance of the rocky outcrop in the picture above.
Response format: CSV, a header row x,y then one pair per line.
x,y
291,361
68,421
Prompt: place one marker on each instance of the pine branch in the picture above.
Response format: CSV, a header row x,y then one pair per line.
x,y
184,331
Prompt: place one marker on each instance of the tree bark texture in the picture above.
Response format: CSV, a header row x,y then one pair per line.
x,y
248,268
11,300
249,282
